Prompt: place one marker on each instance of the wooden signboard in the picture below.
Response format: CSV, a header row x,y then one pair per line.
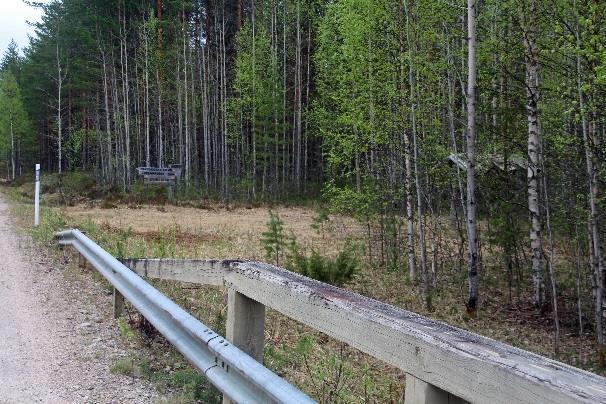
x,y
160,175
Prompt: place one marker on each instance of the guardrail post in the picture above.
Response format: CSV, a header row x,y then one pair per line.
x,y
420,392
118,303
245,326
82,262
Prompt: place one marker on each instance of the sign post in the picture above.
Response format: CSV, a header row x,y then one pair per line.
x,y
37,197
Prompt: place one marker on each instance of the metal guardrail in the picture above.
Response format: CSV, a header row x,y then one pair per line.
x,y
238,376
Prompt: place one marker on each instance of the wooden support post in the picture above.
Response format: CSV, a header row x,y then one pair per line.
x,y
245,326
420,392
118,303
82,262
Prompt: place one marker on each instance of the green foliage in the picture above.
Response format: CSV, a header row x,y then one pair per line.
x,y
124,366
356,94
166,245
255,110
125,329
195,385
16,135
320,220
74,185
72,147
273,240
333,271
51,222
120,246
12,60
279,248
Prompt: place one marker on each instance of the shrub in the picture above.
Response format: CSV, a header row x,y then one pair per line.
x,y
315,266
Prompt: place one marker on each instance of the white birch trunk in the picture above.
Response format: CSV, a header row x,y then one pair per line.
x,y
472,238
534,153
59,133
595,251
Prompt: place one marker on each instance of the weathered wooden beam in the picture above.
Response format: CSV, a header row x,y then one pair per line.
x,y
467,365
206,272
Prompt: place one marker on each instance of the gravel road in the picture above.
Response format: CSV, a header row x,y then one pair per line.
x,y
58,340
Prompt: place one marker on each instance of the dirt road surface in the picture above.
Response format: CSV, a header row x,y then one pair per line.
x,y
57,338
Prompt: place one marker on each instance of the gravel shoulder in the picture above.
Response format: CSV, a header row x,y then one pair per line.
x,y
58,339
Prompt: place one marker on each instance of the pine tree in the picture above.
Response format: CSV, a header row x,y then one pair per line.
x,y
16,138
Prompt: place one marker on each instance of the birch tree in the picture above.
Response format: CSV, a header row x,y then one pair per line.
x,y
472,301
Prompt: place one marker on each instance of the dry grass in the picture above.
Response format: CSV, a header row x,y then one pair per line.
x,y
216,232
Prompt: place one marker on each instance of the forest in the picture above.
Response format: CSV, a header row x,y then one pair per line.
x,y
476,127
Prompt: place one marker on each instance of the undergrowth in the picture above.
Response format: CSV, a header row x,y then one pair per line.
x,y
282,249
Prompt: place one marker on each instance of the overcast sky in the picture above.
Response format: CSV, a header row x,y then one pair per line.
x,y
13,17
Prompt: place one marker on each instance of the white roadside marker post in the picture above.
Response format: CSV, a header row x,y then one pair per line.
x,y
37,197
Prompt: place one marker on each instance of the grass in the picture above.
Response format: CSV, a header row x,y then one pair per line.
x,y
123,366
156,361
321,366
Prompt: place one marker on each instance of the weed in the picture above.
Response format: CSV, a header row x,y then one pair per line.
x,y
51,222
125,329
124,366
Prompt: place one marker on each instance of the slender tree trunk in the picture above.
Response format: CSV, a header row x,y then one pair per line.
x,y
551,264
420,212
254,109
109,171
160,134
410,247
12,149
147,136
126,103
595,250
59,106
284,94
297,100
186,115
534,154
205,116
472,239
225,145
453,137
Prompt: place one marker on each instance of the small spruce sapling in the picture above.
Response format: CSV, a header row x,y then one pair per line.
x,y
273,240
319,221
